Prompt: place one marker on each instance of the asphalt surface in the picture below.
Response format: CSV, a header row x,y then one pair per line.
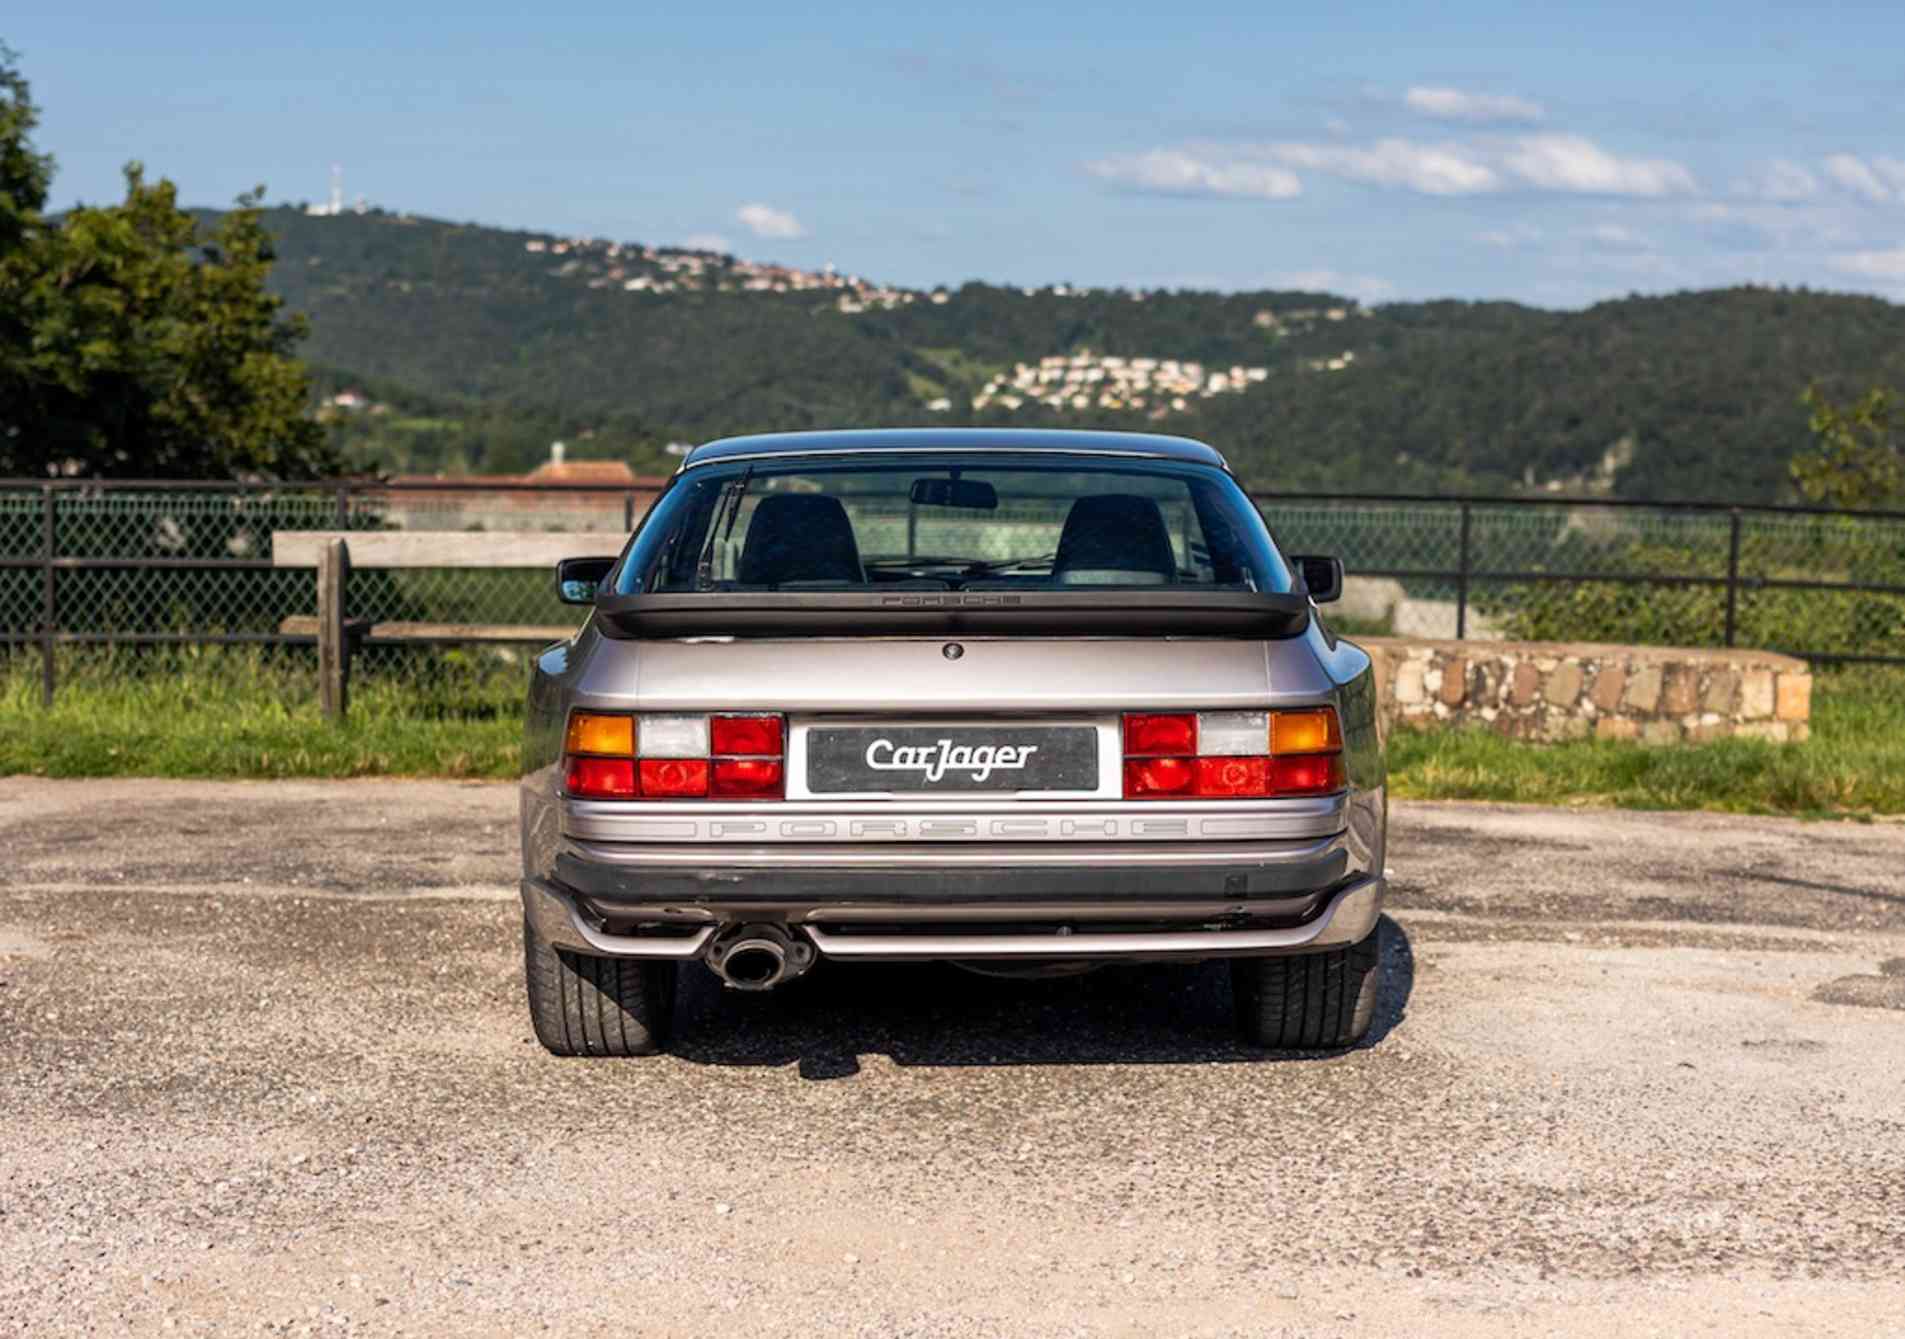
x,y
265,1068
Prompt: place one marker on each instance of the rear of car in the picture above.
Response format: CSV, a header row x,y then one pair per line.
x,y
1026,702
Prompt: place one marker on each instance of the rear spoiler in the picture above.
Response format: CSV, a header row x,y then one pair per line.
x,y
1082,613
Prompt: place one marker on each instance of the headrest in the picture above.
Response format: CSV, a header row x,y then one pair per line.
x,y
799,537
1114,539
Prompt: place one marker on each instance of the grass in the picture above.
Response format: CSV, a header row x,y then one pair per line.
x,y
222,712
1852,766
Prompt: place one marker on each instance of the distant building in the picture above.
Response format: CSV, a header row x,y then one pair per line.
x,y
558,494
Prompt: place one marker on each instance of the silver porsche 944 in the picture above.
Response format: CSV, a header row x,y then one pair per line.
x,y
1022,701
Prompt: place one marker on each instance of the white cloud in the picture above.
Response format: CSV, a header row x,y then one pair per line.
x,y
1515,234
1365,286
1566,163
1181,172
1617,237
1432,169
1576,164
1805,225
766,221
1781,181
1888,265
708,241
1562,163
1452,104
1859,177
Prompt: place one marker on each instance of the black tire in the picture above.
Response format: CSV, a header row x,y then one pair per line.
x,y
582,1005
1310,1001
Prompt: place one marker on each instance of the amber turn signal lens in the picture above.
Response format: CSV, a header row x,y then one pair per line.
x,y
591,733
1305,731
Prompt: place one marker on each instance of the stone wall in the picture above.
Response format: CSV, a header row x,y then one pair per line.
x,y
1560,690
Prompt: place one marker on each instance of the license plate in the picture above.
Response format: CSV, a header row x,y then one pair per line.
x,y
951,758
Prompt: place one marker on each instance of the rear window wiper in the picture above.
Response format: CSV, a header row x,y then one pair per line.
x,y
1007,564
718,534
923,561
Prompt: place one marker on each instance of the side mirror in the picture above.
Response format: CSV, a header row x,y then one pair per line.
x,y
578,578
1322,576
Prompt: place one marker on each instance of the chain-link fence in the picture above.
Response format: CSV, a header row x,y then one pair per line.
x,y
142,564
1827,586
117,563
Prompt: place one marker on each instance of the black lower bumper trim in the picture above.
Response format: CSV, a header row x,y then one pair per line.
x,y
716,885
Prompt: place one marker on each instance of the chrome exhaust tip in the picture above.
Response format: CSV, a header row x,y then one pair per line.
x,y
758,957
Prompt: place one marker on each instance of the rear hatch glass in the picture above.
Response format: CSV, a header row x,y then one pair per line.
x,y
904,543
870,524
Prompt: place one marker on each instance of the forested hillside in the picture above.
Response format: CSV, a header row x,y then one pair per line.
x,y
477,346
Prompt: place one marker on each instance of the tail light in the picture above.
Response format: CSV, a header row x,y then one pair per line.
x,y
657,756
1222,755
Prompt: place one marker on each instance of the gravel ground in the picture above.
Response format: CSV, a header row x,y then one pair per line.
x,y
267,1069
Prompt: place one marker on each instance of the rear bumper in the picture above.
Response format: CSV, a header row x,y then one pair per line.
x,y
617,876
1145,900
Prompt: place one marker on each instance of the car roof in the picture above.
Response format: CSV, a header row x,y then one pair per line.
x,y
848,441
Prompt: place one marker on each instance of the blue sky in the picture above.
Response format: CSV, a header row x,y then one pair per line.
x,y
1554,154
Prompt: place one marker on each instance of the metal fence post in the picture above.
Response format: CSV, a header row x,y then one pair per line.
x,y
628,511
1461,578
343,506
334,650
1733,578
48,598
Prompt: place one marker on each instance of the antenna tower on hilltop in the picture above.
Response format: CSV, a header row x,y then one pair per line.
x,y
337,189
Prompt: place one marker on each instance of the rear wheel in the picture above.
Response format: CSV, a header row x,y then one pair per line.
x,y
1311,1001
584,1005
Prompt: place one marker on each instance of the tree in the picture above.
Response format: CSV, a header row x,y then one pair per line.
x,y
132,346
1856,460
24,177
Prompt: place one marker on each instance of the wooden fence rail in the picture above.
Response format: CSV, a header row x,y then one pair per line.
x,y
335,553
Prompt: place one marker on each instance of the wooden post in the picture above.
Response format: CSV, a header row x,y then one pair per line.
x,y
334,648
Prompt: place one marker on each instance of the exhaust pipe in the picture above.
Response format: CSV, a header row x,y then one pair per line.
x,y
758,957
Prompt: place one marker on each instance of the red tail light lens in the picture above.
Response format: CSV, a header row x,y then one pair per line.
x,y
757,736
674,756
1234,777
1156,778
740,778
1155,736
601,778
1309,774
674,778
1250,754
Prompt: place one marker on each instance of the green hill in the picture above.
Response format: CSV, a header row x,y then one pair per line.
x,y
483,344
